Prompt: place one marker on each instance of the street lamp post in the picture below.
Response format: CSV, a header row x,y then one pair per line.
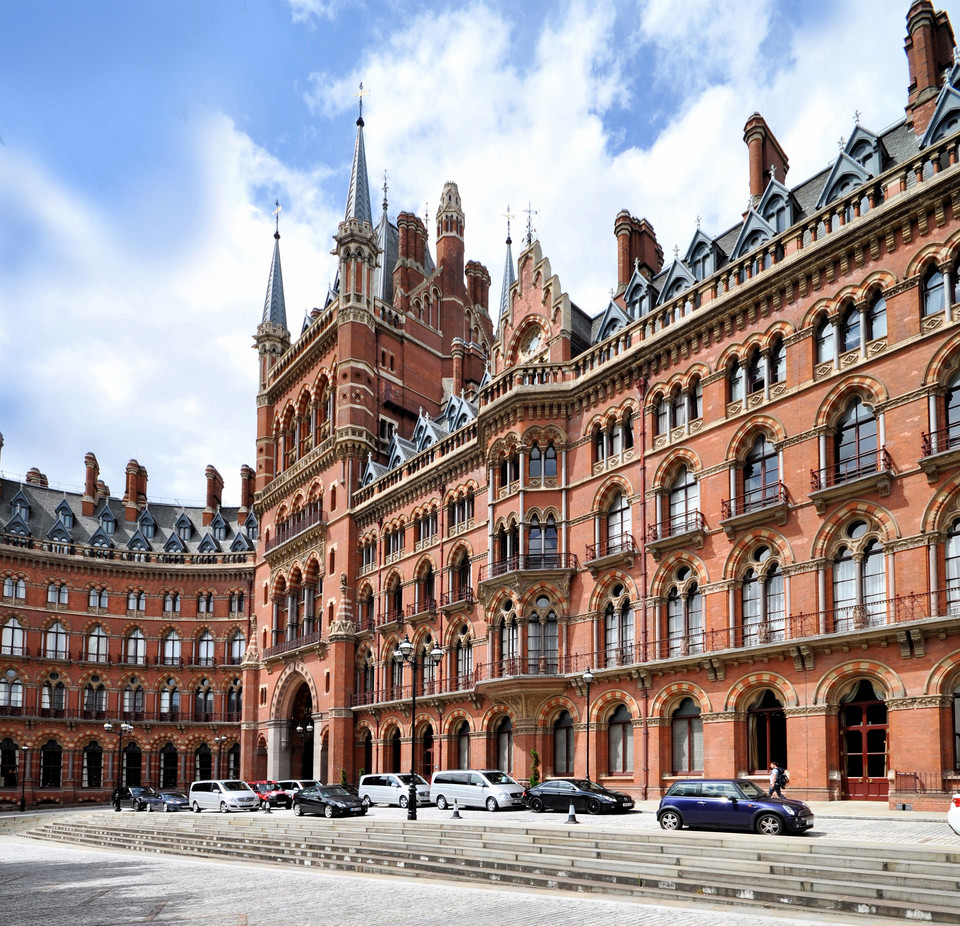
x,y
121,728
23,778
219,740
405,653
588,678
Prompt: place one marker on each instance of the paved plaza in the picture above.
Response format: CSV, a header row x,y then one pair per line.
x,y
53,884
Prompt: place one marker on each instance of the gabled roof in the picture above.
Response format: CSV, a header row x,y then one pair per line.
x,y
612,319
208,544
59,532
753,223
774,188
220,521
843,166
678,271
17,525
138,541
100,538
174,545
63,508
372,471
183,521
948,106
20,501
241,544
401,450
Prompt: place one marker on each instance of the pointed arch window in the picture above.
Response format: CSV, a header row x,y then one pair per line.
x,y
12,638
550,461
933,292
505,745
203,701
94,699
542,639
542,543
735,381
51,764
766,733
133,700
205,649
463,745
856,444
234,700
564,744
11,694
849,329
92,766
877,317
683,503
825,338
777,362
618,524
763,613
952,564
169,762
618,628
135,647
463,650
237,647
684,616
509,640
620,742
171,648
55,645
53,698
761,475
97,645
536,462
755,373
169,700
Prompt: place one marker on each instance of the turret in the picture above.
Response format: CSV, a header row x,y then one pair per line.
x,y
450,224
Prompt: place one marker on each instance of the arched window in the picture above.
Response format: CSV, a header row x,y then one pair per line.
x,y
933,294
97,645
618,628
170,701
509,633
203,701
825,338
951,553
663,413
133,699
762,600
735,381
620,742
542,652
683,503
135,647
542,543
233,761
766,733
92,771
132,762
951,412
877,317
55,645
678,407
94,700
51,764
755,373
684,615
203,762
761,475
12,638
505,745
696,399
9,753
859,580
425,589
856,442
550,462
618,524
205,647
11,694
777,361
463,745
169,761
237,647
564,746
171,648
850,329
536,462
686,728
235,699
463,650
53,698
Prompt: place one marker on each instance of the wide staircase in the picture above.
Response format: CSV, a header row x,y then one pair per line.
x,y
874,880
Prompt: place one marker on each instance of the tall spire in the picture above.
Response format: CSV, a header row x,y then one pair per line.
x,y
509,276
274,307
358,196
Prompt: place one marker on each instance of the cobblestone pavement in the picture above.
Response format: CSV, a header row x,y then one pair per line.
x,y
56,885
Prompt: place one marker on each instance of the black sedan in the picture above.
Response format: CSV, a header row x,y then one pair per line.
x,y
731,804
330,800
166,801
586,796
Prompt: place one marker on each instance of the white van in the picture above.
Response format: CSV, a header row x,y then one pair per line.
x,y
488,788
392,788
223,796
292,785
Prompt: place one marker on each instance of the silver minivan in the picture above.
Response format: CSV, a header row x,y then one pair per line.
x,y
390,788
222,795
488,788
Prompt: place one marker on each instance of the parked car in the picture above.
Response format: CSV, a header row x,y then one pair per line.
x,y
223,795
586,796
953,814
392,788
134,797
271,794
488,788
330,800
167,801
731,804
292,785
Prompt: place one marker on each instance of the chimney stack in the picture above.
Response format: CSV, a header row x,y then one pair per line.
x,y
764,152
929,48
130,509
88,503
636,246
214,494
247,486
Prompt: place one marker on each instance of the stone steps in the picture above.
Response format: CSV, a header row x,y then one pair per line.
x,y
904,882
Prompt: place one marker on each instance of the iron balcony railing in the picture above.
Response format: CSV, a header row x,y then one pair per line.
x,y
612,546
863,464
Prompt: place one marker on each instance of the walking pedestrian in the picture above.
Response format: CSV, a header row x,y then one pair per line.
x,y
778,780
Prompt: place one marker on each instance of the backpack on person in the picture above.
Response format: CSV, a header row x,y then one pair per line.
x,y
783,776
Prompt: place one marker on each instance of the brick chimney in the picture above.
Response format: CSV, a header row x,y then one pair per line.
x,y
130,509
929,47
764,152
636,241
35,478
457,351
478,284
214,494
88,503
411,257
247,487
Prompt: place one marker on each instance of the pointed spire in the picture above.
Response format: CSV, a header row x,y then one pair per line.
x,y
274,307
358,196
509,275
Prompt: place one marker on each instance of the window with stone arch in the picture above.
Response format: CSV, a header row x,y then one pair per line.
x,y
736,381
762,600
55,642
849,328
766,732
463,657
366,674
825,340
616,531
684,613
135,647
504,742
427,677
97,650
463,744
542,638
619,741
856,443
686,733
760,476
53,697
618,629
508,638
169,700
171,648
859,577
932,291
203,701
542,541
875,317
234,699
683,503
12,638
564,744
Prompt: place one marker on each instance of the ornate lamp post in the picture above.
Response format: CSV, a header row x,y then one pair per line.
x,y
219,740
120,730
22,769
405,653
587,679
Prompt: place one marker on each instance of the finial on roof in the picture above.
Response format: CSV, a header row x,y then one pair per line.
x,y
636,265
856,116
676,252
773,171
508,215
841,143
360,94
384,191
276,215
531,212
698,221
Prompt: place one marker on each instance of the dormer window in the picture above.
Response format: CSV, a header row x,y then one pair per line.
x,y
108,523
184,528
65,514
148,527
20,507
218,527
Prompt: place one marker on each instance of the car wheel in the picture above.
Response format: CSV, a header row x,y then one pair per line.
x,y
328,811
769,824
223,806
441,802
166,807
297,810
196,807
149,808
593,806
492,805
670,820
404,800
536,805
137,806
367,802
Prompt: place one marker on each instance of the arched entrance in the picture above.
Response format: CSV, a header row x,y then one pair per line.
x,y
426,755
301,735
863,745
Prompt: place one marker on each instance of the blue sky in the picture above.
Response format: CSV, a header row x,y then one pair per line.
x,y
143,146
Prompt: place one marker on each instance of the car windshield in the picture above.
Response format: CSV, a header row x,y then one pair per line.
x,y
749,789
145,792
334,791
498,778
174,795
406,779
584,785
236,786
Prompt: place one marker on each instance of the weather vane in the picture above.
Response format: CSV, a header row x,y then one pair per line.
x,y
276,213
508,215
360,94
531,212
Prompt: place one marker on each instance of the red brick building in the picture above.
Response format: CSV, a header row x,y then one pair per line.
x,y
732,495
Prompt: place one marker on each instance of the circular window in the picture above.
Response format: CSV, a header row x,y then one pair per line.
x,y
532,342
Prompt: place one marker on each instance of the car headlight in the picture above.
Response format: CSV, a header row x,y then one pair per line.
x,y
608,799
787,809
